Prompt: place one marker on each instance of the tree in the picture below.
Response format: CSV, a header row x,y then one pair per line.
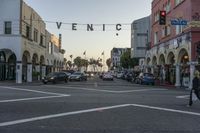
x,y
78,62
126,60
69,63
94,63
62,51
85,63
134,62
108,62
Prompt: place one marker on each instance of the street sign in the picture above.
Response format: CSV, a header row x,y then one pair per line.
x,y
178,22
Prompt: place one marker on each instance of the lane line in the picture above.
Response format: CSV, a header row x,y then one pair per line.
x,y
140,90
183,97
102,90
34,98
42,92
9,123
166,109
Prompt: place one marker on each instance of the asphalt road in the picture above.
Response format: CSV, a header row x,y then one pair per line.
x,y
96,106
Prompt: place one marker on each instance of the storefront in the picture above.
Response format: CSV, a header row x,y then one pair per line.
x,y
11,75
185,71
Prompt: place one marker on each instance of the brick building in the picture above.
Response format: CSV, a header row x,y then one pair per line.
x,y
173,53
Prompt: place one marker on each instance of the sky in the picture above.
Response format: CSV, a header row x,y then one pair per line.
x,y
91,12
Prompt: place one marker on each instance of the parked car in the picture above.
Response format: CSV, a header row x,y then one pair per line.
x,y
107,76
129,76
145,78
55,77
119,75
78,76
134,77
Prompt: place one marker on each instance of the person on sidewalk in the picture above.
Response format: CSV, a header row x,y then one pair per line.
x,y
195,87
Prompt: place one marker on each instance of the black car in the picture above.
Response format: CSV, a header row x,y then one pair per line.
x,y
55,77
78,76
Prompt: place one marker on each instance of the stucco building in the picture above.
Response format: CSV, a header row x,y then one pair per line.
x,y
24,43
116,54
173,53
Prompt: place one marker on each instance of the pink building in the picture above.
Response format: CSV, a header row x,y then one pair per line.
x,y
173,57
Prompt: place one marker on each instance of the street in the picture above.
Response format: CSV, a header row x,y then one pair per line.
x,y
96,106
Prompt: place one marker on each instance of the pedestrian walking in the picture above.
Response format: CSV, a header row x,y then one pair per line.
x,y
194,93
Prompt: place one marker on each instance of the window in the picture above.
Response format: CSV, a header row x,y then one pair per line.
x,y
28,32
35,35
179,29
155,38
166,31
168,6
8,27
156,17
41,39
50,48
178,2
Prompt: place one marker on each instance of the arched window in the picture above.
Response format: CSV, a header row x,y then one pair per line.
x,y
2,57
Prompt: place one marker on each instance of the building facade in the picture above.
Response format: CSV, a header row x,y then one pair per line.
x,y
23,43
140,37
173,55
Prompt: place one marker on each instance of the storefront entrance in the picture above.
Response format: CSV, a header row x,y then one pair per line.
x,y
2,66
11,67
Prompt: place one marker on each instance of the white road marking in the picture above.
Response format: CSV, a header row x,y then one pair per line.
x,y
102,90
183,97
166,109
34,98
140,90
9,123
42,92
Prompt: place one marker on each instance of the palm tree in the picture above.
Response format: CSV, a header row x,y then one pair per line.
x,y
108,62
69,63
94,63
85,64
65,62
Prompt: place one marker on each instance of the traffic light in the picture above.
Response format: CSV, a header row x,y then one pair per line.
x,y
198,48
162,18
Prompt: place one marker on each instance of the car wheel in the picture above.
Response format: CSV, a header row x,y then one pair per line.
x,y
44,82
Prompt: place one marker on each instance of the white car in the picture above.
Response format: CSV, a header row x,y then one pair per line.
x,y
107,76
119,75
